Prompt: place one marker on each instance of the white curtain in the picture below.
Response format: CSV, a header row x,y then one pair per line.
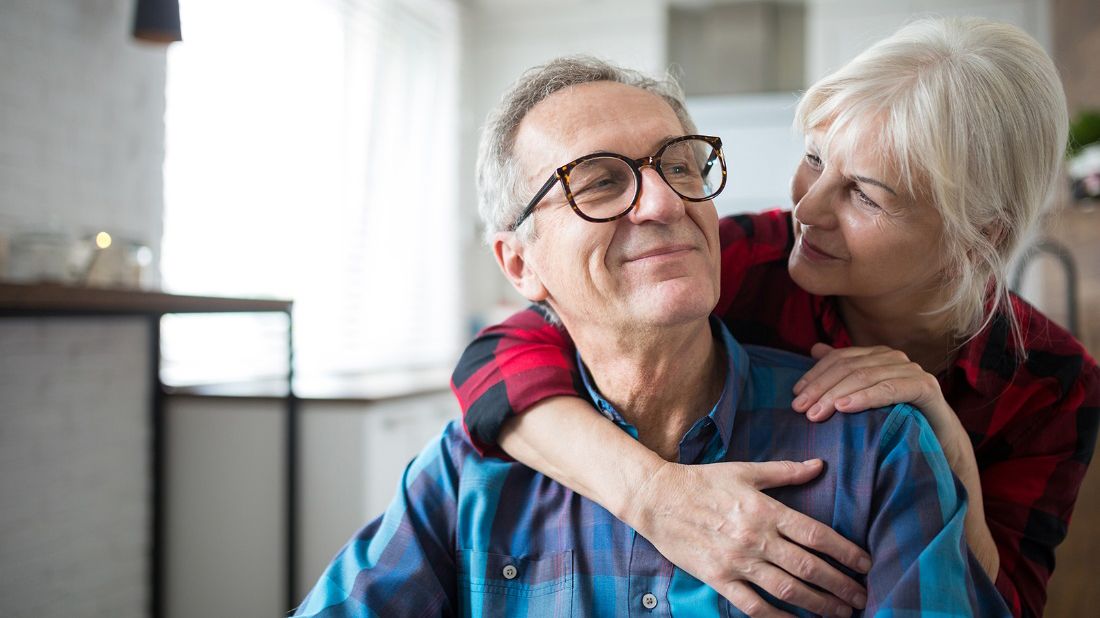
x,y
311,154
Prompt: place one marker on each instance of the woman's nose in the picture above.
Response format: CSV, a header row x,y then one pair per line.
x,y
816,197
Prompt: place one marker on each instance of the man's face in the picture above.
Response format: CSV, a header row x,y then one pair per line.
x,y
657,266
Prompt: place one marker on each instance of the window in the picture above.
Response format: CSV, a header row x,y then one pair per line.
x,y
311,154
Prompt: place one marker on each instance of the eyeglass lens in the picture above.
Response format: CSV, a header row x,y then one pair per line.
x,y
605,187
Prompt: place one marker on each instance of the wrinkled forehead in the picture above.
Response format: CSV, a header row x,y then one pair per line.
x,y
592,117
869,146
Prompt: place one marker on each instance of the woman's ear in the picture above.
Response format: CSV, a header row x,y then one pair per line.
x,y
996,233
513,258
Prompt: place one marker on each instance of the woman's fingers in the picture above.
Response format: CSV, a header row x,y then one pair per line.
x,y
877,386
841,589
819,350
810,533
744,598
897,389
786,587
769,474
860,371
830,360
714,522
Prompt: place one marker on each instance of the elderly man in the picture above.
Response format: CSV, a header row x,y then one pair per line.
x,y
620,243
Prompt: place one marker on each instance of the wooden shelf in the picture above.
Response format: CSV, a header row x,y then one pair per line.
x,y
54,298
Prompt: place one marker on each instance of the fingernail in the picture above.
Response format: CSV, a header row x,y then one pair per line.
x,y
864,565
799,401
843,611
814,411
811,462
798,385
861,601
843,401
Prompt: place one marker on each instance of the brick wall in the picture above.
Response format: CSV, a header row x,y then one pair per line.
x,y
81,150
73,468
81,120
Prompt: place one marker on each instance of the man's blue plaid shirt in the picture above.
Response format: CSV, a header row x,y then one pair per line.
x,y
472,536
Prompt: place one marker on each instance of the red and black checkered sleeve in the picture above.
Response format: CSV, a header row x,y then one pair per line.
x,y
511,366
508,368
748,241
1031,485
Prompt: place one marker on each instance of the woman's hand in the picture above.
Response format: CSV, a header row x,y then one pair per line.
x,y
714,522
710,520
856,379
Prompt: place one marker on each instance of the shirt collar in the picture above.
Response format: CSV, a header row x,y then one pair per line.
x,y
723,413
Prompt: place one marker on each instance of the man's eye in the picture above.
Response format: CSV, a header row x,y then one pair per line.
x,y
678,168
813,160
592,185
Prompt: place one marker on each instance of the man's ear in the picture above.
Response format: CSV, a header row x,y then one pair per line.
x,y
512,257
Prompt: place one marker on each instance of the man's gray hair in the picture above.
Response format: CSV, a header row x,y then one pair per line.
x,y
501,188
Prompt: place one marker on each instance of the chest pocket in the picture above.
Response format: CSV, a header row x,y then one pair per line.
x,y
500,585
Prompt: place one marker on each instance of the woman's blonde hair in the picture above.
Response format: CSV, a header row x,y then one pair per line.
x,y
973,113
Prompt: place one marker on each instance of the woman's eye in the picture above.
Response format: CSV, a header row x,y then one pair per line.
x,y
813,160
865,199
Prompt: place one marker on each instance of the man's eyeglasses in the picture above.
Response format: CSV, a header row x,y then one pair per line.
x,y
604,186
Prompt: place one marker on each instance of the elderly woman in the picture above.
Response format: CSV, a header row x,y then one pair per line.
x,y
928,159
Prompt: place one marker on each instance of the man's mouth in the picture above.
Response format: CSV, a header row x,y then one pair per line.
x,y
667,251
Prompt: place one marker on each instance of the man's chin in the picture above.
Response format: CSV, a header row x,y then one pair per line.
x,y
675,303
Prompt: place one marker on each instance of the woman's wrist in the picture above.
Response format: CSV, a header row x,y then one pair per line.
x,y
568,441
629,495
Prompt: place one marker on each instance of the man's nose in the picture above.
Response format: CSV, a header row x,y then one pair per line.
x,y
657,201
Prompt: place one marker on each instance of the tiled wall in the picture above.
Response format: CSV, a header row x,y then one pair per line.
x,y
81,149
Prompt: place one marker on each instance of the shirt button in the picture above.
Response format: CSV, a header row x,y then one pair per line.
x,y
649,601
509,572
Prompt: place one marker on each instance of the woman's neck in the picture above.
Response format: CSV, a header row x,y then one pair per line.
x,y
925,337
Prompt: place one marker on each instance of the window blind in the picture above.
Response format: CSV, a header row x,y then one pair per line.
x,y
311,154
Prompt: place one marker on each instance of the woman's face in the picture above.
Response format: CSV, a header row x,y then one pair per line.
x,y
858,231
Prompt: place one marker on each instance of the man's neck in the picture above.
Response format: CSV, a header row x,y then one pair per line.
x,y
661,380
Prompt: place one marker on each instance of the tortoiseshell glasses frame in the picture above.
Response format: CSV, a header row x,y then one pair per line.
x,y
562,173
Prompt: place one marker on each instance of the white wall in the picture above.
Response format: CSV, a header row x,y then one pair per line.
x,y
505,37
73,468
760,145
81,147
225,492
81,121
837,30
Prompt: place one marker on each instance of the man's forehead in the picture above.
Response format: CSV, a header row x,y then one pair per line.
x,y
591,117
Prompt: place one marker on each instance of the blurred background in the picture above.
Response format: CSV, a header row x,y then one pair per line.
x,y
171,177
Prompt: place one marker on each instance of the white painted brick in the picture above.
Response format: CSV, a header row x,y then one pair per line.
x,y
81,120
74,454
81,149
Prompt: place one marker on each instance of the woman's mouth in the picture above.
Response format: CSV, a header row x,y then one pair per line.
x,y
813,252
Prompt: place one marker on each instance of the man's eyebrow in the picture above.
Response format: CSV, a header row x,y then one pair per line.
x,y
660,142
877,183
